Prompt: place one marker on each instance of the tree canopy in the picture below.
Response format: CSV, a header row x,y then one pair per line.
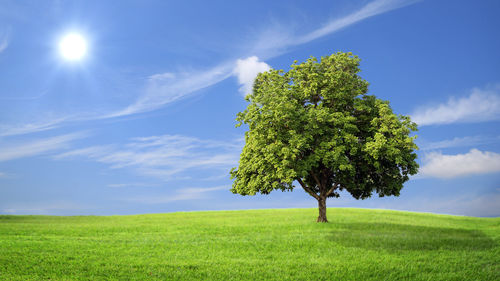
x,y
316,125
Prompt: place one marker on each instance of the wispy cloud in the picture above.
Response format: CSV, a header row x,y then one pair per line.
x,y
131,184
483,206
168,87
4,43
438,165
34,127
246,70
4,40
10,151
276,39
369,10
165,88
458,142
467,203
481,105
163,157
190,193
43,208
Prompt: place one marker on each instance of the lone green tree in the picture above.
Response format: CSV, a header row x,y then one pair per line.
x,y
316,125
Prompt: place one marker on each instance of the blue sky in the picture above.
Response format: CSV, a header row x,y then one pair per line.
x,y
144,122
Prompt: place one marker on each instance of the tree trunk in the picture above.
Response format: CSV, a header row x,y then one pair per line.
x,y
322,209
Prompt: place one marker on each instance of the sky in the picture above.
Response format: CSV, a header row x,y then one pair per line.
x,y
144,121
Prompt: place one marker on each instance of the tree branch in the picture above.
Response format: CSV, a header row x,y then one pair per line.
x,y
331,190
325,173
307,189
316,180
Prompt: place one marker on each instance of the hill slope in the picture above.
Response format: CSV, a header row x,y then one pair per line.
x,y
285,244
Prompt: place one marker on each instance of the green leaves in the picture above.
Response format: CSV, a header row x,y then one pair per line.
x,y
316,123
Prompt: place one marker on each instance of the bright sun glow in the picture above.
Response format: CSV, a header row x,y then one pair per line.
x,y
73,46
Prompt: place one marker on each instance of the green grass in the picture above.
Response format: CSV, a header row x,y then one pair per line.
x,y
285,244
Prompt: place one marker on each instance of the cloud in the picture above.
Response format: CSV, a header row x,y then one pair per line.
x,y
165,88
132,184
4,43
34,208
369,10
481,105
276,39
3,175
466,203
469,205
160,90
163,157
168,87
438,165
190,193
458,142
246,70
4,40
10,151
32,127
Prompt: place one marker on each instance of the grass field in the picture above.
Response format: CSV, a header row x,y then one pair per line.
x,y
284,244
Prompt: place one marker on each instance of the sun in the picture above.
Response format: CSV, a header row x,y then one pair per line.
x,y
73,46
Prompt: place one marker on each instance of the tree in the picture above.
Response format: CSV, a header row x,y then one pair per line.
x,y
316,125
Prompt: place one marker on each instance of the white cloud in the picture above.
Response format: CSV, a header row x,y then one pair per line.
x,y
165,157
132,184
32,127
3,44
90,152
272,41
487,205
190,193
277,38
34,208
165,88
481,105
369,10
458,142
438,165
4,40
464,203
10,151
3,175
246,70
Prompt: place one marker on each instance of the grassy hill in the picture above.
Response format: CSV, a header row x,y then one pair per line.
x,y
285,244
